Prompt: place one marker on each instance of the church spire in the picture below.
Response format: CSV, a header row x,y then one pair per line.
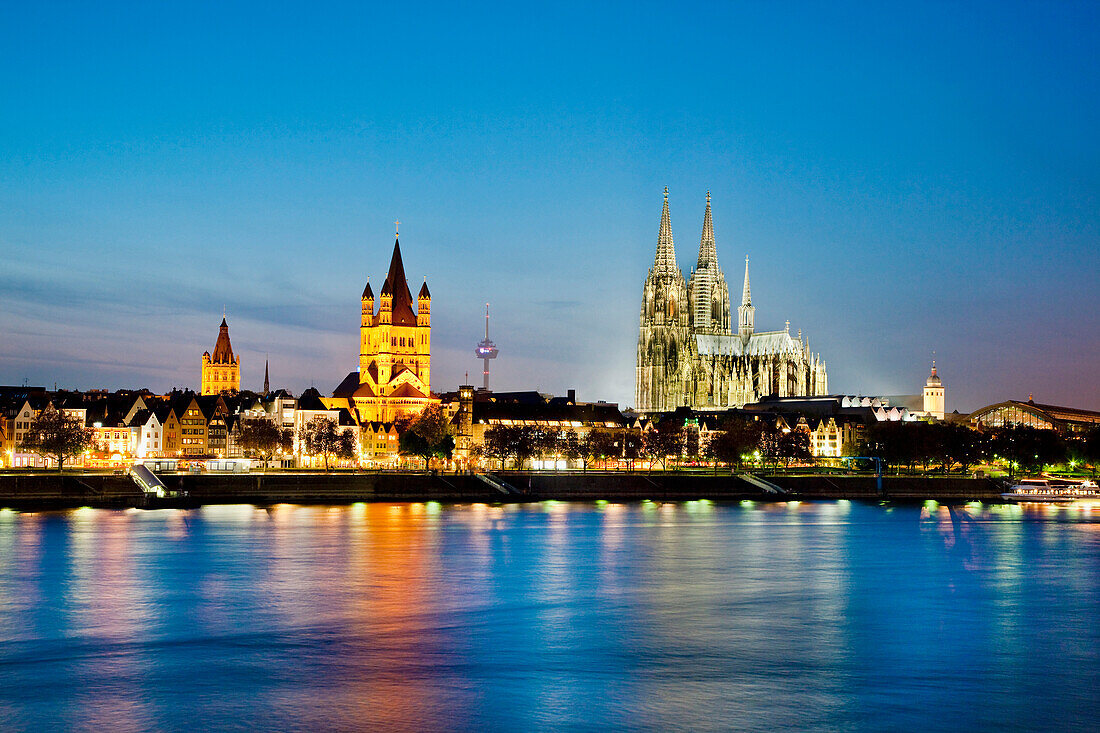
x,y
267,382
399,288
746,313
704,295
665,259
707,251
746,297
223,350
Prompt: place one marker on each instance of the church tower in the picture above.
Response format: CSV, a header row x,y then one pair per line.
x,y
934,390
710,296
665,326
395,343
222,371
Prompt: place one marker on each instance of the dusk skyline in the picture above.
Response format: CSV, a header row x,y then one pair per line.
x,y
903,181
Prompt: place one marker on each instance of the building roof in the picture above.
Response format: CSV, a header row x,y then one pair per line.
x,y
1054,413
1067,414
223,350
401,310
546,411
363,390
764,342
407,390
141,417
347,386
210,404
311,400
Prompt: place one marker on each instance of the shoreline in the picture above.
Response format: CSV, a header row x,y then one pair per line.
x,y
40,492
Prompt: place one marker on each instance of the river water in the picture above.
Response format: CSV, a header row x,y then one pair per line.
x,y
695,615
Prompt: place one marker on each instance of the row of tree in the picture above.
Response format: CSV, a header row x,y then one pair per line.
x,y
736,439
947,446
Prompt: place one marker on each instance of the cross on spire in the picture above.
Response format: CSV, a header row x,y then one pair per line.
x,y
397,227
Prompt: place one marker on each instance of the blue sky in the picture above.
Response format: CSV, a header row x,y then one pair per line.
x,y
906,178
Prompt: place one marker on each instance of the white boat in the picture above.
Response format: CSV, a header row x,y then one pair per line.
x,y
1044,489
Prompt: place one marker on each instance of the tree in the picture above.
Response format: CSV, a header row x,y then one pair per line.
x,y
525,444
323,437
794,445
663,441
689,439
598,443
735,438
1029,448
572,449
263,438
770,435
1091,449
53,434
961,445
428,435
892,442
632,445
498,443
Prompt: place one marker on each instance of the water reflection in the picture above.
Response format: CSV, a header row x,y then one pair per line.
x,y
808,616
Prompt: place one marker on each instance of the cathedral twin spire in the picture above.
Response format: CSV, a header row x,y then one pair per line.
x,y
665,258
707,280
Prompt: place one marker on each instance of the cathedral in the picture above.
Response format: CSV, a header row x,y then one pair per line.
x,y
690,355
394,352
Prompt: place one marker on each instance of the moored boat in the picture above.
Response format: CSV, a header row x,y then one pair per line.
x,y
1044,489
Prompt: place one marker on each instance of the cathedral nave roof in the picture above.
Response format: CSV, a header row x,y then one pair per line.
x,y
765,343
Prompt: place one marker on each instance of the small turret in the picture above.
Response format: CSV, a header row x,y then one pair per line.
x,y
424,305
368,305
385,308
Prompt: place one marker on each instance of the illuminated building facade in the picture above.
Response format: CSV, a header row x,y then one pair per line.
x,y
689,355
934,390
395,359
221,372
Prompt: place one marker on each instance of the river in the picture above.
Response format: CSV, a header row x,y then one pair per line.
x,y
694,615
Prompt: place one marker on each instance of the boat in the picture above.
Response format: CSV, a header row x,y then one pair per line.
x,y
1045,489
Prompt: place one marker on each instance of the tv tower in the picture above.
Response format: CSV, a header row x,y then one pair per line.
x,y
486,349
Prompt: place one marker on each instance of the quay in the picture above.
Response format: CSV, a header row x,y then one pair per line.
x,y
42,491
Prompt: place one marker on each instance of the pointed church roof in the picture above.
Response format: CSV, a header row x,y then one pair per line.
x,y
367,292
424,290
403,314
707,252
223,350
746,297
665,259
267,381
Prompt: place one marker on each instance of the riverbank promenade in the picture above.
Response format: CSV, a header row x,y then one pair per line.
x,y
44,491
